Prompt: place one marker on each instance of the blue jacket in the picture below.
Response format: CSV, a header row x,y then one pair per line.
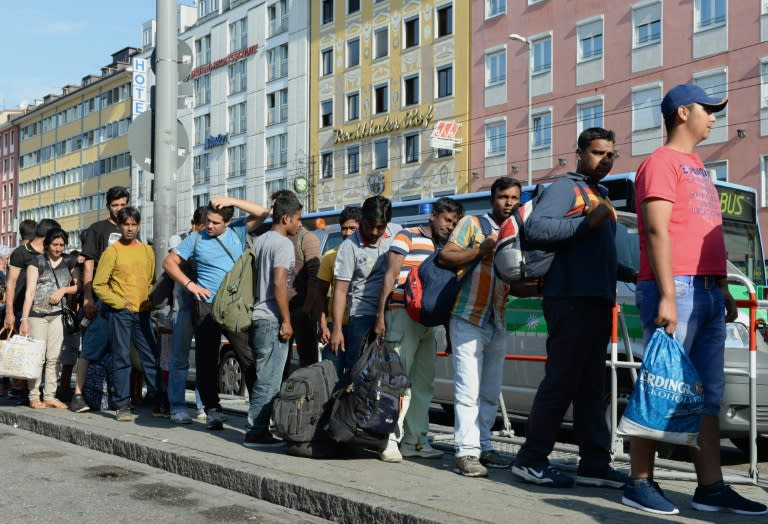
x,y
585,263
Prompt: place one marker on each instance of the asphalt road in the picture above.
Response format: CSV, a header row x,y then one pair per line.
x,y
46,480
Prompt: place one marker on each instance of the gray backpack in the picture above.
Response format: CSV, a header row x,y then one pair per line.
x,y
304,404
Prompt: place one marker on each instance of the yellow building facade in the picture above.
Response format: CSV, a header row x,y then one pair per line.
x,y
383,74
73,148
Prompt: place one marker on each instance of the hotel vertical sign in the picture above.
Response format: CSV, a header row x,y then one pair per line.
x,y
139,87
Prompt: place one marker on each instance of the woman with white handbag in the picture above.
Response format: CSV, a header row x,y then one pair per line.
x,y
48,282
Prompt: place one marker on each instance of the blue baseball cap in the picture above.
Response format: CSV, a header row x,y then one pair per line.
x,y
686,94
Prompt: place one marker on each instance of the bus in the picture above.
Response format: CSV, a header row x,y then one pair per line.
x,y
738,204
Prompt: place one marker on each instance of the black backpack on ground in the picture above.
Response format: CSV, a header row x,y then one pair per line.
x,y
98,384
366,411
302,409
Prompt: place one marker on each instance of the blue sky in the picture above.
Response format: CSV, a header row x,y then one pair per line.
x,y
47,44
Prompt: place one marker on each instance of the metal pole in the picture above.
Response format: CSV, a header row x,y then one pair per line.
x,y
165,139
530,116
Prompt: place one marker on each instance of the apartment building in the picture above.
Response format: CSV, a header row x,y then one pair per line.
x,y
248,110
9,161
595,63
74,146
383,73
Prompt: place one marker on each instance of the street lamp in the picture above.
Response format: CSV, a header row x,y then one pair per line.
x,y
520,38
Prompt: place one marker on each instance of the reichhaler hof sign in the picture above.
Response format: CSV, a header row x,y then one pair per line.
x,y
408,119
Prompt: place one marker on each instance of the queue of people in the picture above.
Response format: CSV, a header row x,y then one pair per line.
x,y
358,289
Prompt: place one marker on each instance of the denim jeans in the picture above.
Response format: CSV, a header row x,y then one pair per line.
x,y
97,335
478,359
579,331
700,328
354,338
269,355
130,327
183,331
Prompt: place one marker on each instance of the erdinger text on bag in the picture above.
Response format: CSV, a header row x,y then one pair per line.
x,y
668,398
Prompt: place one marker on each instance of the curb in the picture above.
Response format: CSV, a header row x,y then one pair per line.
x,y
291,491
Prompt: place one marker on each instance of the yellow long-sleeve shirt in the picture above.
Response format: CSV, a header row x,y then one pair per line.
x,y
125,275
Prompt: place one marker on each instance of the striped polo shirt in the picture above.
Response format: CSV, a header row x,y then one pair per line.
x,y
483,296
414,244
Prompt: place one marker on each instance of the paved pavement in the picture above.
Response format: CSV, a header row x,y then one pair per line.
x,y
360,489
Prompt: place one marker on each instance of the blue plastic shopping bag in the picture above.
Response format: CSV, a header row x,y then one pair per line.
x,y
668,398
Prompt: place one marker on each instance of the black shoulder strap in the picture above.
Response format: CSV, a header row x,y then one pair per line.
x,y
584,195
225,249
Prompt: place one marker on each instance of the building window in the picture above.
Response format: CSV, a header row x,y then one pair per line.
x,y
277,62
444,20
648,31
411,32
591,42
278,17
237,158
411,89
277,106
589,114
381,99
495,68
277,151
717,170
495,8
326,15
238,35
203,50
444,81
326,164
709,13
276,185
353,6
353,160
353,106
238,77
542,130
353,52
381,154
542,55
203,199
238,193
202,90
645,108
201,170
381,42
764,83
495,139
202,128
715,83
326,113
764,184
411,148
326,60
206,7
238,119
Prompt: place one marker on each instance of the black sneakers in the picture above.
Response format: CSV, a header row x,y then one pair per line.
x,y
78,404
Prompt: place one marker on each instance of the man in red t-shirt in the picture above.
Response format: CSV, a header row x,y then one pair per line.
x,y
682,285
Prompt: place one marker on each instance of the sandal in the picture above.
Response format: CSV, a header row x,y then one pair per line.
x,y
55,403
36,403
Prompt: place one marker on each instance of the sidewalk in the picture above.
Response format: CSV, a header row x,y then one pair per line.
x,y
345,490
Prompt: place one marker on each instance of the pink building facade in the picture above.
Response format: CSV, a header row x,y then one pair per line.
x,y
9,161
608,64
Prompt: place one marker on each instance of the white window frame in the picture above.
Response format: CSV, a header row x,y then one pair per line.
x,y
534,55
587,31
328,51
649,106
377,47
352,149
416,137
351,43
438,70
712,22
323,113
589,103
544,131
348,116
438,11
495,138
494,8
495,59
417,77
376,109
764,81
377,161
407,21
714,165
326,165
638,11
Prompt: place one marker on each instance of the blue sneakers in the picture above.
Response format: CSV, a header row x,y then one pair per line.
x,y
646,495
546,475
721,497
610,478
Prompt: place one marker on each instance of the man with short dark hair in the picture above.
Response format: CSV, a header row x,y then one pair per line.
x,y
579,292
361,263
96,339
683,286
414,343
212,252
271,328
478,331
